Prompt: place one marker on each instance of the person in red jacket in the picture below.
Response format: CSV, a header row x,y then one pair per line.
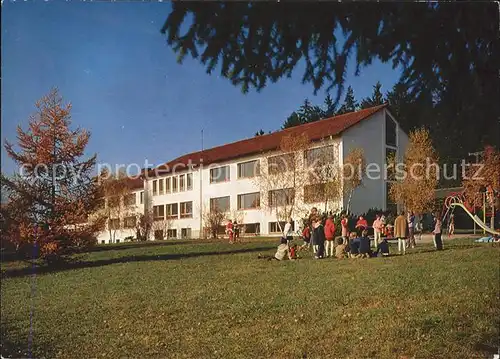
x,y
361,225
306,236
229,230
345,229
329,236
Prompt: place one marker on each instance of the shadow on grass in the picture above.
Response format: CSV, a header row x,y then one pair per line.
x,y
14,345
131,245
20,272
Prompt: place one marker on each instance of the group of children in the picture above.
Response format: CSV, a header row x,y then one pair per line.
x,y
233,231
324,244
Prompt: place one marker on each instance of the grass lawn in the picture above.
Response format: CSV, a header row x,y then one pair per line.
x,y
215,300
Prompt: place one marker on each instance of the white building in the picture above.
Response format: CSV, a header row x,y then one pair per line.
x,y
179,195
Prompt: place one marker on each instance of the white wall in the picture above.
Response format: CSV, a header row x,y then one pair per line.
x,y
232,188
368,135
121,234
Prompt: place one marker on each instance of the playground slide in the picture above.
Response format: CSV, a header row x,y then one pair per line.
x,y
476,219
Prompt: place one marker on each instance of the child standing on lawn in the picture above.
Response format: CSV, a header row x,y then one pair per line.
x,y
345,228
451,226
319,237
306,236
377,230
229,231
437,234
329,236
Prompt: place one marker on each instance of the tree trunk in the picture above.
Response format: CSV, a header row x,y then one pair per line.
x,y
349,202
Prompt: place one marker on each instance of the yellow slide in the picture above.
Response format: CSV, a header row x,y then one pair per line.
x,y
476,219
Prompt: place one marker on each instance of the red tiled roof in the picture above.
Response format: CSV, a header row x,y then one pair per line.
x,y
135,183
315,131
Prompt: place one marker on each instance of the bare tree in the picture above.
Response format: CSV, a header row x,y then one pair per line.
x,y
117,193
353,171
213,219
160,228
283,179
146,219
325,179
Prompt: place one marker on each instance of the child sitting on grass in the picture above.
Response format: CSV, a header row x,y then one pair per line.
x,y
282,251
354,242
364,245
383,248
306,236
340,250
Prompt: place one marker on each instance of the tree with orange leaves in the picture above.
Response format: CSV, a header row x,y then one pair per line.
x,y
481,177
416,178
52,194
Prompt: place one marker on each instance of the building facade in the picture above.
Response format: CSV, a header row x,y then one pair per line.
x,y
233,178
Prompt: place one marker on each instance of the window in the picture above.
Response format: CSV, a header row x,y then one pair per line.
x,y
172,210
252,228
160,186
159,213
158,235
129,199
171,233
185,232
141,197
314,193
249,169
182,183
390,159
281,197
189,181
275,228
155,187
280,164
129,222
103,242
114,224
221,204
174,184
168,189
117,241
186,209
249,200
390,131
321,156
219,174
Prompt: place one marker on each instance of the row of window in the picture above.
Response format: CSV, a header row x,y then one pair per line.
x,y
280,197
315,157
276,164
173,184
116,223
172,233
113,202
173,211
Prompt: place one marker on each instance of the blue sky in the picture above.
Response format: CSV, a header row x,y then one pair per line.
x,y
111,62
